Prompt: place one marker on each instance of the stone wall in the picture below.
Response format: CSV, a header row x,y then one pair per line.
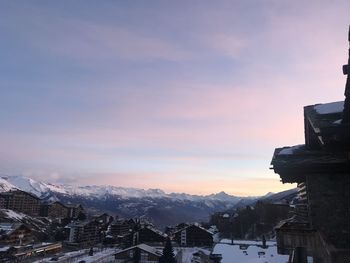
x,y
329,204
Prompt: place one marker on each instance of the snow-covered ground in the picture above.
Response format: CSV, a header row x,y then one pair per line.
x,y
186,253
253,254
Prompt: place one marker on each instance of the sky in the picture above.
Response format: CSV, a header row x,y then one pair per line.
x,y
186,96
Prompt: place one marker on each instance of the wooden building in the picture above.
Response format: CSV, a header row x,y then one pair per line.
x,y
15,234
143,252
74,210
321,168
193,235
149,235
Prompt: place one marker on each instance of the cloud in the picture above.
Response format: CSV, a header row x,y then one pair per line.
x,y
201,92
70,37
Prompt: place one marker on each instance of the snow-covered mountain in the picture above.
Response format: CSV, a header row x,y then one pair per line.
x,y
154,204
44,190
5,185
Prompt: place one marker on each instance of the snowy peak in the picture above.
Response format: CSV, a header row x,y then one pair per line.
x,y
29,185
46,190
5,185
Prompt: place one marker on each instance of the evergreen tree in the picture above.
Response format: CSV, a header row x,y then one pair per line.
x,y
168,253
137,255
264,242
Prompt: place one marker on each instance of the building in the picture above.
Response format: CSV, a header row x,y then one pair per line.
x,y
121,228
74,210
149,235
15,234
145,253
320,226
21,201
193,235
84,233
56,210
104,218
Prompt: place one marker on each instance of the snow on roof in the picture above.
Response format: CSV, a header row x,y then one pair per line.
x,y
195,225
143,247
328,108
290,150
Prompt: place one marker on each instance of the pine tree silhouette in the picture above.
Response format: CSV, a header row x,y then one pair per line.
x,y
168,253
137,256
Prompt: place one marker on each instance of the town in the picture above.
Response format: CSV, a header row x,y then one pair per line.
x,y
34,230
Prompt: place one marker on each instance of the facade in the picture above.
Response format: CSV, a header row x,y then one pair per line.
x,y
149,235
84,233
74,210
121,228
193,235
145,253
15,234
57,210
104,218
21,201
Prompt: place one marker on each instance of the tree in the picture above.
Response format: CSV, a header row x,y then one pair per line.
x,y
137,255
168,253
264,241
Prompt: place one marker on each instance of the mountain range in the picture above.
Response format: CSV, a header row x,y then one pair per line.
x,y
155,205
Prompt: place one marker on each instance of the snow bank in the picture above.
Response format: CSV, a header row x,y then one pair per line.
x,y
253,254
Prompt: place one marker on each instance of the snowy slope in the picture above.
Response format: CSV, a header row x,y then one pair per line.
x,y
5,185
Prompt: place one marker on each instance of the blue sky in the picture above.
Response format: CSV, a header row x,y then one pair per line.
x,y
187,96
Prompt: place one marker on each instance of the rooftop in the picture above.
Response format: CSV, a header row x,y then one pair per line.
x,y
327,142
323,126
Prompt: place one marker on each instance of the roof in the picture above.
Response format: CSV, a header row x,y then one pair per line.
x,y
156,231
143,247
79,223
196,225
326,148
323,121
59,203
9,228
293,163
73,205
